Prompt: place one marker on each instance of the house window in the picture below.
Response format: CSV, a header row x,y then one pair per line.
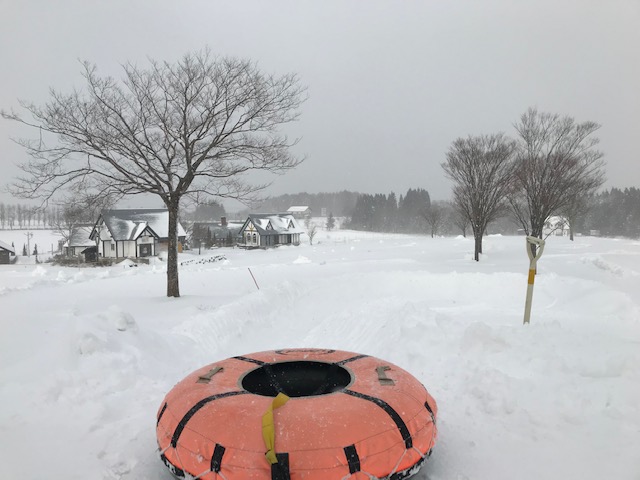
x,y
255,239
113,247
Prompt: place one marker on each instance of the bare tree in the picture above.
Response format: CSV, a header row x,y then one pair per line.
x,y
576,208
171,130
312,229
459,219
11,215
482,170
74,214
435,217
70,219
557,161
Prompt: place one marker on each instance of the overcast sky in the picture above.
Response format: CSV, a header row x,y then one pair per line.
x,y
391,83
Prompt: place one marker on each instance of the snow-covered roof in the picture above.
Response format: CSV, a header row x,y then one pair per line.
x,y
80,237
298,209
130,224
274,223
556,221
5,246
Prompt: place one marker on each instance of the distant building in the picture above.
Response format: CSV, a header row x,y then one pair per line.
x,y
133,233
78,243
299,211
6,252
557,226
222,233
270,230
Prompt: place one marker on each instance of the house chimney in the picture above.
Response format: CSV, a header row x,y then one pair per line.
x,y
223,221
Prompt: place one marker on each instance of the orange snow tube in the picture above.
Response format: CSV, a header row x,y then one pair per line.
x,y
295,414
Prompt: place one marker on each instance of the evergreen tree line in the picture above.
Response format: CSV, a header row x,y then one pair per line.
x,y
386,213
202,234
340,204
613,213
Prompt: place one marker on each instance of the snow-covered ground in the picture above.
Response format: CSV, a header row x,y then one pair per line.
x,y
87,355
45,240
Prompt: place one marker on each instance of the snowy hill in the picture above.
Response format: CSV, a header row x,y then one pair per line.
x,y
86,355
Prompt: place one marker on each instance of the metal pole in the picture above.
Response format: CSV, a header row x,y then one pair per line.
x,y
29,235
533,260
254,278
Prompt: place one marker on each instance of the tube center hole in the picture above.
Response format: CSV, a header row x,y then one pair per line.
x,y
296,379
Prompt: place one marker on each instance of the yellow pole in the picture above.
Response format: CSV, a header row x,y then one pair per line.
x,y
533,260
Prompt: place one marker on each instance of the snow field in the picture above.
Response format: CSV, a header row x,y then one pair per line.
x,y
86,355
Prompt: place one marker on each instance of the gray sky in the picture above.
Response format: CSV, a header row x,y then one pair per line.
x,y
391,83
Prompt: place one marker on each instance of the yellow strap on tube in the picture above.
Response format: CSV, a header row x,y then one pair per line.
x,y
268,430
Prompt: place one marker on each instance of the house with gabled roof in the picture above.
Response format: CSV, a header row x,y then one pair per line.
x,y
133,233
299,211
556,225
79,241
269,230
6,251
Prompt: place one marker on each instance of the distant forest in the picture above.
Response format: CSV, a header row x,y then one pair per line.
x,y
386,213
339,204
613,213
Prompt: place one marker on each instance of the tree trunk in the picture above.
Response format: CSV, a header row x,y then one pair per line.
x,y
478,246
173,286
571,224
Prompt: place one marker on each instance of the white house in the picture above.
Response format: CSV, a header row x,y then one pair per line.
x,y
79,241
299,211
133,233
269,230
557,226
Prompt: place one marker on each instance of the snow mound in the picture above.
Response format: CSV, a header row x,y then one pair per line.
x,y
602,264
127,263
123,321
39,271
302,259
100,331
89,343
482,337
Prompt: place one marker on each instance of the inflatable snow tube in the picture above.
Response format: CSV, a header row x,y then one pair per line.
x,y
297,414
